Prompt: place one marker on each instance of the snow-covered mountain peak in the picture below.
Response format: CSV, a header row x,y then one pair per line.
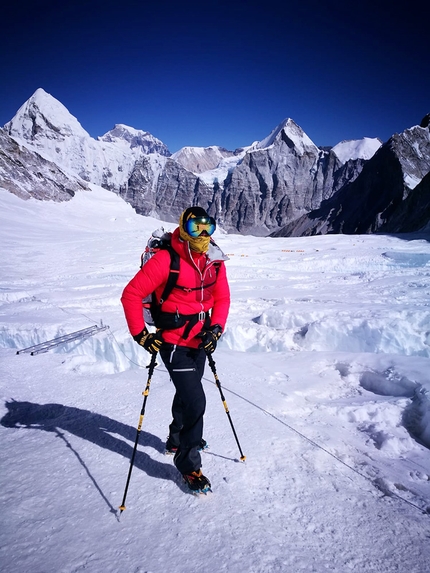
x,y
357,148
135,138
288,131
44,125
122,131
201,159
42,113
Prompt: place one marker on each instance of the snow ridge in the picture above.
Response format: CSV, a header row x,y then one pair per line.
x,y
357,149
46,126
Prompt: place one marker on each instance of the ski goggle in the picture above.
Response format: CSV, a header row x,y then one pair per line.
x,y
195,227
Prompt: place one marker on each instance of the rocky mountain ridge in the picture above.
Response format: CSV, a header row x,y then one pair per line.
x,y
28,174
44,125
202,159
391,194
267,187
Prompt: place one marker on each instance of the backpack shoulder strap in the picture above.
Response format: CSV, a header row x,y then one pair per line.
x,y
173,274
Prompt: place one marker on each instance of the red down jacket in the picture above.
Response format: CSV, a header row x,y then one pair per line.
x,y
196,270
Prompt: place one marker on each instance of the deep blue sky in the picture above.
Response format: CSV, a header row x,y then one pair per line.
x,y
220,72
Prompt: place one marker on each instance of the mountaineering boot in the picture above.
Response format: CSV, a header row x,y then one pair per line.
x,y
197,482
203,445
171,449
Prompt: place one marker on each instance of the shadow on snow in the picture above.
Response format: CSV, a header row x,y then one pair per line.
x,y
93,427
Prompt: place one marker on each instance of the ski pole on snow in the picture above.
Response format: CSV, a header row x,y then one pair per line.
x,y
218,383
145,393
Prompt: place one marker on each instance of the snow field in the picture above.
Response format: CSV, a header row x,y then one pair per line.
x,y
324,367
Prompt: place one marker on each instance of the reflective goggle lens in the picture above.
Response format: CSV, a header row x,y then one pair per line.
x,y
195,227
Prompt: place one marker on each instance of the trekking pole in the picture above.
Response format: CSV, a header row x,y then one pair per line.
x,y
218,383
145,393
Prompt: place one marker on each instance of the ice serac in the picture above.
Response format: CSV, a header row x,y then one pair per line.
x,y
281,178
27,174
390,194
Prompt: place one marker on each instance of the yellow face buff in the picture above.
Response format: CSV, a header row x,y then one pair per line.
x,y
198,244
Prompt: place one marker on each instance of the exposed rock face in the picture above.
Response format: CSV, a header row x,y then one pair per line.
x,y
412,214
250,190
425,122
378,194
45,125
27,174
280,179
283,185
164,188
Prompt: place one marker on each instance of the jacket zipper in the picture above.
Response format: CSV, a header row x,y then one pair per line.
x,y
202,275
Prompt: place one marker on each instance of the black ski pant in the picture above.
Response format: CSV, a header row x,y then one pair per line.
x,y
186,367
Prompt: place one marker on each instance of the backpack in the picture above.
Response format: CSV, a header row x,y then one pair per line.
x,y
152,313
158,240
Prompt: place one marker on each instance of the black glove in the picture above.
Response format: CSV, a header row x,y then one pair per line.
x,y
151,341
210,337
